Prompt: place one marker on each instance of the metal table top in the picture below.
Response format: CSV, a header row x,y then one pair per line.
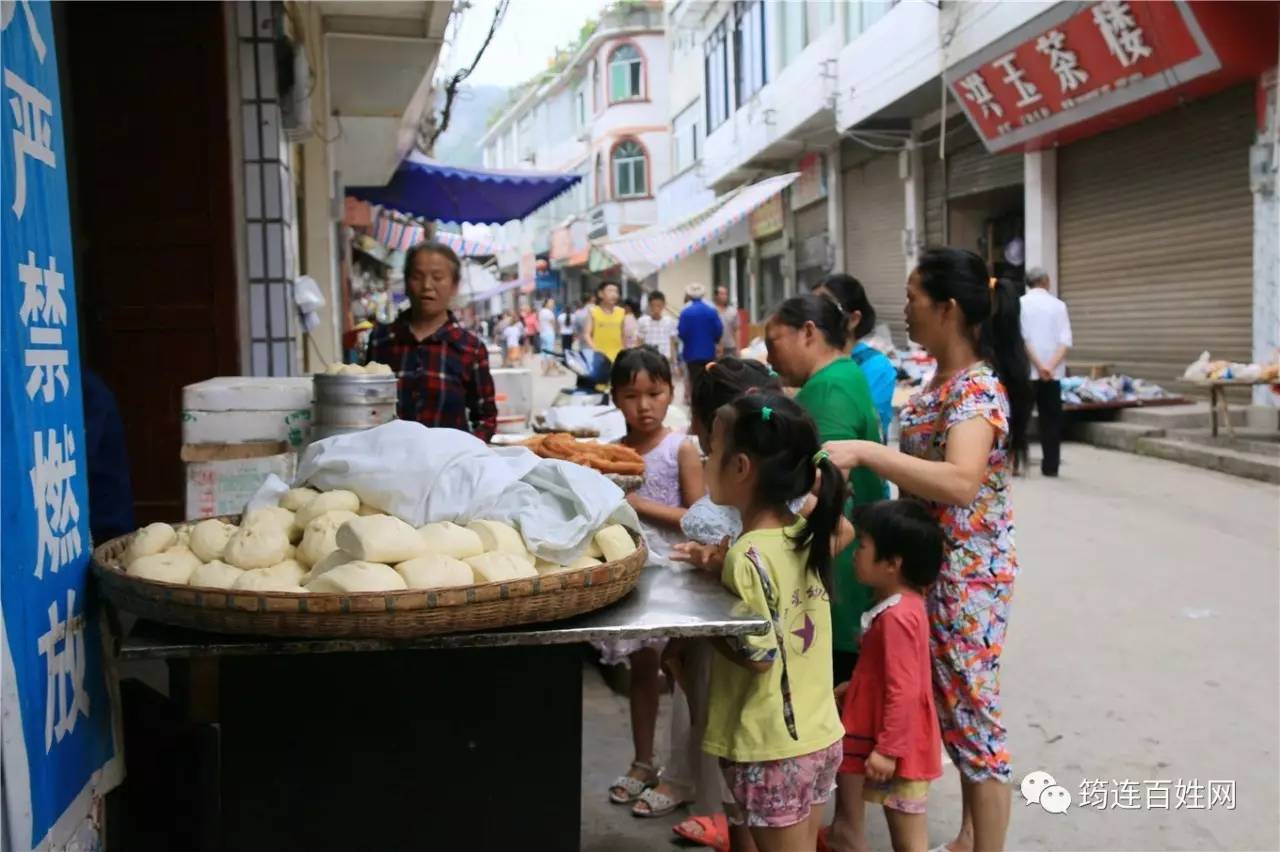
x,y
663,605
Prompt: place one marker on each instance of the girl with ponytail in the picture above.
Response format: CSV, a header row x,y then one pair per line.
x,y
959,436
771,719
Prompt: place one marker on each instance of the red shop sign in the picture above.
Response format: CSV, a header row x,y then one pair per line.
x,y
1052,78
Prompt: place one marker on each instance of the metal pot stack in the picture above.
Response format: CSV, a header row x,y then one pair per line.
x,y
351,403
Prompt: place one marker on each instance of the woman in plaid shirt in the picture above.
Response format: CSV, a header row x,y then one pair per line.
x,y
443,368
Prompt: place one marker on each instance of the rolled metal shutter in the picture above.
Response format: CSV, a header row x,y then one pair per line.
x,y
970,169
1155,232
874,216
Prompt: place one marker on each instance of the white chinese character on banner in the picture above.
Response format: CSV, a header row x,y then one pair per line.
x,y
1158,794
1062,62
32,134
57,511
1189,795
1016,77
44,307
65,695
1121,32
1222,794
976,91
6,17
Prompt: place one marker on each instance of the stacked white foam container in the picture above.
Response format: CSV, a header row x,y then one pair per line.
x,y
237,430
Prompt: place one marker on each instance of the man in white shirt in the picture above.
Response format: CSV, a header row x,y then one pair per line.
x,y
658,328
1046,329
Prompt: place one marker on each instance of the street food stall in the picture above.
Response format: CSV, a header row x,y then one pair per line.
x,y
378,649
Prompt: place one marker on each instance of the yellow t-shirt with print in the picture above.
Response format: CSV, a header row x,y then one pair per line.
x,y
755,716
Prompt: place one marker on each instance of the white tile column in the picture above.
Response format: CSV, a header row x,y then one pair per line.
x,y
1040,181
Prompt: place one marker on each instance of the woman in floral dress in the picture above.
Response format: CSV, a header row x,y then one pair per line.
x,y
958,438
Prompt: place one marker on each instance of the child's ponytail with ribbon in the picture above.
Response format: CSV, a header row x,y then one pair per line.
x,y
782,441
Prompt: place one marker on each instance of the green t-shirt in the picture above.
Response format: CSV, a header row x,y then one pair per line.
x,y
838,398
750,717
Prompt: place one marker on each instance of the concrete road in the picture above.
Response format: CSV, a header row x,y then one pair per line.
x,y
1143,648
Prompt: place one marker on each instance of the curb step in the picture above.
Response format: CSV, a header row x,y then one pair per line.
x,y
1265,468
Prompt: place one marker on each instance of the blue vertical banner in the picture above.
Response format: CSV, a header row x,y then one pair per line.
x,y
58,732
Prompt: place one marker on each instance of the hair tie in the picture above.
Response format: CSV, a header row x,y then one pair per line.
x,y
773,374
820,456
765,413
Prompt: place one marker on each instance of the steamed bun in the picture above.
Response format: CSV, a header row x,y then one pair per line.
x,y
435,571
358,577
274,516
295,498
262,580
319,538
500,537
215,575
498,566
449,539
329,501
173,566
381,538
150,540
209,539
615,542
256,547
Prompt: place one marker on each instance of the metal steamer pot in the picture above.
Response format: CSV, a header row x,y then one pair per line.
x,y
352,403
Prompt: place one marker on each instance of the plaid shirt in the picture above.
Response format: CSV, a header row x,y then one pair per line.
x,y
658,333
444,379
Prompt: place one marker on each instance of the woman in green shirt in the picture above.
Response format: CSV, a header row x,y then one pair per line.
x,y
806,340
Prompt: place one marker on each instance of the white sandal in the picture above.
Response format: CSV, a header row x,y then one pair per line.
x,y
658,804
633,788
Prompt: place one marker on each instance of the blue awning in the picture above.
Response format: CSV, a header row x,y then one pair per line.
x,y
423,187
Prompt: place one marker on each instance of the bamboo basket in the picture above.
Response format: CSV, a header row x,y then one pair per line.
x,y
375,615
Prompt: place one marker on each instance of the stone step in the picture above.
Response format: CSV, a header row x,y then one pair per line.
x,y
1257,441
1113,435
1192,416
1260,466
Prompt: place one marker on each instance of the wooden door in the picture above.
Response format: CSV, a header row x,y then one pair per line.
x,y
150,145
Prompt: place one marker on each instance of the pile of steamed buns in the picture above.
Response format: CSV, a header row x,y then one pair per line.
x,y
330,543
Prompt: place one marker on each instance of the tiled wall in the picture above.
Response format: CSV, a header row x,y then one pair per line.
x,y
270,238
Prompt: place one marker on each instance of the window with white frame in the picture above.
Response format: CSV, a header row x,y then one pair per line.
x,y
629,179
580,107
686,138
750,59
626,74
716,76
795,29
860,16
599,179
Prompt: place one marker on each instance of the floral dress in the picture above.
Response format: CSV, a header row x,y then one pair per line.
x,y
969,604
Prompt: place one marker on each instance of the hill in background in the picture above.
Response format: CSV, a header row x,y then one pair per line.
x,y
460,144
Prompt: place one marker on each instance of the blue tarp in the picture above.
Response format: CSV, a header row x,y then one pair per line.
x,y
424,187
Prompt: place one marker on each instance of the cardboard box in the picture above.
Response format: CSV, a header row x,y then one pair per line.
x,y
226,476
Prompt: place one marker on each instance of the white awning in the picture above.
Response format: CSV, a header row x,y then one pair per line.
x,y
645,252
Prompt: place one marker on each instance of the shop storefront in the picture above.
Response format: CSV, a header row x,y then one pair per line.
x,y
1153,110
974,200
873,200
1155,229
809,207
767,223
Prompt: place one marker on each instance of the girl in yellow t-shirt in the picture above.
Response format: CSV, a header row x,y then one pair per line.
x,y
604,327
771,719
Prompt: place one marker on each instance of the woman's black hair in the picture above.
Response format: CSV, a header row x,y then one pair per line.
x,y
824,313
639,359
431,247
994,316
724,381
906,529
848,291
782,442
